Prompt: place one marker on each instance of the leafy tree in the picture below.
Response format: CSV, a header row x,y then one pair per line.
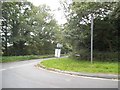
x,y
16,19
43,37
78,27
27,29
115,19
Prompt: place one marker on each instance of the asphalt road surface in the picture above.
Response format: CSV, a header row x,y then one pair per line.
x,y
24,74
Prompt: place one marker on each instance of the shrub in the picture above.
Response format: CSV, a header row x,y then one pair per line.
x,y
106,56
84,54
81,54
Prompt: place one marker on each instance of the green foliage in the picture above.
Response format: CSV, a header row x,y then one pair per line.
x,y
77,30
27,29
82,54
22,58
97,55
68,64
105,35
17,58
106,56
15,27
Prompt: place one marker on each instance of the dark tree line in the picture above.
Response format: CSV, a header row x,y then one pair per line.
x,y
106,25
27,29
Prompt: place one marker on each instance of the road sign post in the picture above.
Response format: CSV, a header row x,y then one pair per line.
x,y
58,50
91,38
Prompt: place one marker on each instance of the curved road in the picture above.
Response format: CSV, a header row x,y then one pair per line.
x,y
24,74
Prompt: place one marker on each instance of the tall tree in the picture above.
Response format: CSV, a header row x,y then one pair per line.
x,y
15,24
45,27
78,27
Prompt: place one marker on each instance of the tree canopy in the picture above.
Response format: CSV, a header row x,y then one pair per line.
x,y
77,29
27,29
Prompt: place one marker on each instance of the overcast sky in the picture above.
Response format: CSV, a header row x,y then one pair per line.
x,y
54,5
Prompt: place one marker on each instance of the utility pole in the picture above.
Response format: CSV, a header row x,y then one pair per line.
x,y
92,38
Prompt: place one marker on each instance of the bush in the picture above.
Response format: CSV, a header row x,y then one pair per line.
x,y
106,56
84,54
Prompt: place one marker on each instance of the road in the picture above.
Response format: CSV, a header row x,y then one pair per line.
x,y
24,74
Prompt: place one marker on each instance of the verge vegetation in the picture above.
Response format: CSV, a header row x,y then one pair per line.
x,y
68,64
22,58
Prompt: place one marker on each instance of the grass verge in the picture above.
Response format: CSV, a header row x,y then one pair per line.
x,y
68,64
5,59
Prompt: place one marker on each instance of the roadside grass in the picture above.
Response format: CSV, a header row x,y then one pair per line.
x,y
5,59
68,64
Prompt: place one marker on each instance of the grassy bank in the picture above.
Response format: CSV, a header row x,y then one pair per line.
x,y
5,59
68,64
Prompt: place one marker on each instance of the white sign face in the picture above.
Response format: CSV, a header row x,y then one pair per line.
x,y
57,52
59,45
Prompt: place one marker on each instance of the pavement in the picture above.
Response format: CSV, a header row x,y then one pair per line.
x,y
24,74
